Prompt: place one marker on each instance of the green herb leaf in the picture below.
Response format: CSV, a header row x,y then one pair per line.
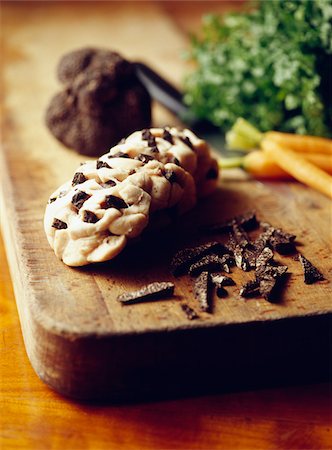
x,y
272,66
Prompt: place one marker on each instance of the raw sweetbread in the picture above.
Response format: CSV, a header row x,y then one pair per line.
x,y
110,201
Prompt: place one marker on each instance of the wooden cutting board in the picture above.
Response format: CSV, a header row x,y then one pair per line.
x,y
79,339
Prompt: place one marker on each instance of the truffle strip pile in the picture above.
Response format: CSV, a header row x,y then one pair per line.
x,y
203,262
109,201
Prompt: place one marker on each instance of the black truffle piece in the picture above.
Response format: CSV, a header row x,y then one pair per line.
x,y
250,289
146,135
310,272
247,221
102,100
108,184
263,240
184,258
152,291
240,236
270,282
206,264
89,217
186,140
59,224
221,292
243,248
202,291
167,136
79,198
270,278
281,241
111,201
241,259
221,280
79,178
101,164
118,155
144,158
174,160
170,175
263,259
189,312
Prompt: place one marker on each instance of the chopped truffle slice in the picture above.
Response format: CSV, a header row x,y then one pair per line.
x,y
221,292
101,164
152,141
225,268
245,257
175,161
146,134
201,291
263,240
240,236
228,257
59,224
250,289
263,259
273,271
118,155
222,280
281,241
109,183
170,175
251,256
168,137
111,201
310,272
89,217
152,291
79,198
207,263
144,158
241,259
270,279
189,312
247,221
186,140
268,285
78,178
184,258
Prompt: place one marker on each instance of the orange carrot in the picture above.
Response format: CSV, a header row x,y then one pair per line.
x,y
297,166
301,143
260,165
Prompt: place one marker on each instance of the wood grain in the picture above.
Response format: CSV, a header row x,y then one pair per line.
x,y
35,417
78,338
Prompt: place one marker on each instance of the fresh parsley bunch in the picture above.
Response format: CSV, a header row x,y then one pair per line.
x,y
272,66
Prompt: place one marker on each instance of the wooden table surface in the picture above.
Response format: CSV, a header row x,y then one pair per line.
x,y
34,417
